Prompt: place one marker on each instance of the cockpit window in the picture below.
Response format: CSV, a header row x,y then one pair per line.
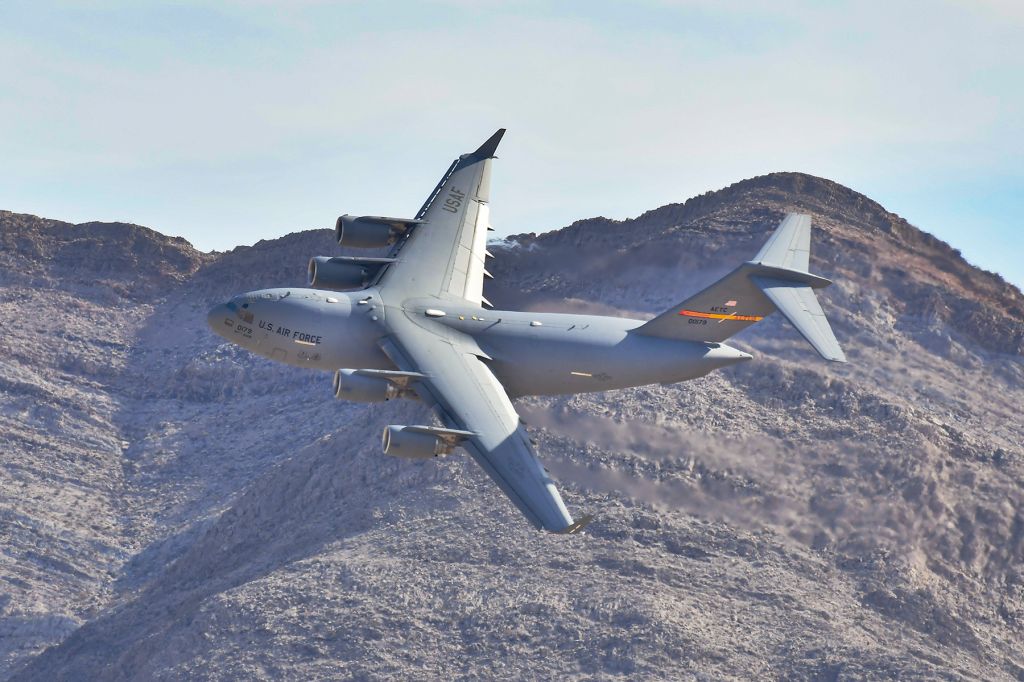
x,y
241,314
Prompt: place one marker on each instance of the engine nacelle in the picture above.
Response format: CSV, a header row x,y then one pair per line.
x,y
349,385
421,442
368,232
402,441
339,274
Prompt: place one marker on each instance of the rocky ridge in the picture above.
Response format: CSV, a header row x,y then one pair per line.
x,y
173,507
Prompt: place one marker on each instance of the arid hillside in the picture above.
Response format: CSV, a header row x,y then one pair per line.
x,y
175,508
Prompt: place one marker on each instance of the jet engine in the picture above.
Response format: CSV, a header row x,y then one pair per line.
x,y
399,441
421,442
367,232
349,384
339,274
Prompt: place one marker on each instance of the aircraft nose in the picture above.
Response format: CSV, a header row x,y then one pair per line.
x,y
217,316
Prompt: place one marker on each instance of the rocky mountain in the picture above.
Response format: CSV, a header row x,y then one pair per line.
x,y
174,508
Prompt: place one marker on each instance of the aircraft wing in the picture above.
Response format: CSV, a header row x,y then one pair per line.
x,y
467,396
444,254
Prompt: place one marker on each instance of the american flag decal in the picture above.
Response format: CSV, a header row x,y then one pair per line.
x,y
730,304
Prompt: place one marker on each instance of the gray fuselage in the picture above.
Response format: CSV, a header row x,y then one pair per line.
x,y
529,353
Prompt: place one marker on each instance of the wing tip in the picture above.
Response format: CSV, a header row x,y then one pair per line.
x,y
487,149
576,527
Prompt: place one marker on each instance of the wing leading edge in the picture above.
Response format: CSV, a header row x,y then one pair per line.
x,y
467,396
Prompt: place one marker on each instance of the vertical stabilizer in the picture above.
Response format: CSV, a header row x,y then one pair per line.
x,y
789,246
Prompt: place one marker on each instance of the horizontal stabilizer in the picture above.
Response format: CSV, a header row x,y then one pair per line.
x,y
797,302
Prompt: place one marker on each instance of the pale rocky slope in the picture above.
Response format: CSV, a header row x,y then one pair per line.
x,y
175,508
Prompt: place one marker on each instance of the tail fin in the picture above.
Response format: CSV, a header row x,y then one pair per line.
x,y
789,247
777,279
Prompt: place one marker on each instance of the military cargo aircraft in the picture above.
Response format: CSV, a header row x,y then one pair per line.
x,y
414,323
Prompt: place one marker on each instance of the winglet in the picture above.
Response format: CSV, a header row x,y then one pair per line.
x,y
576,527
487,149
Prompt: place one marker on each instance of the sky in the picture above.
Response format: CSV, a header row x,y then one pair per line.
x,y
231,122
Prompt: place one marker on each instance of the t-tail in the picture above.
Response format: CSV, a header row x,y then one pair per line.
x,y
776,279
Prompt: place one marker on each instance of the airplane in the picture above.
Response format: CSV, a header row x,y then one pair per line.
x,y
414,323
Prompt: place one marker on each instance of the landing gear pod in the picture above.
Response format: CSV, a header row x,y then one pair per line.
x,y
368,232
420,442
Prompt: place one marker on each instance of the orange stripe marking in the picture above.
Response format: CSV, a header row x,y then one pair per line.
x,y
721,316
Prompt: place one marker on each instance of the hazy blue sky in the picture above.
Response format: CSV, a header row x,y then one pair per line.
x,y
231,122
